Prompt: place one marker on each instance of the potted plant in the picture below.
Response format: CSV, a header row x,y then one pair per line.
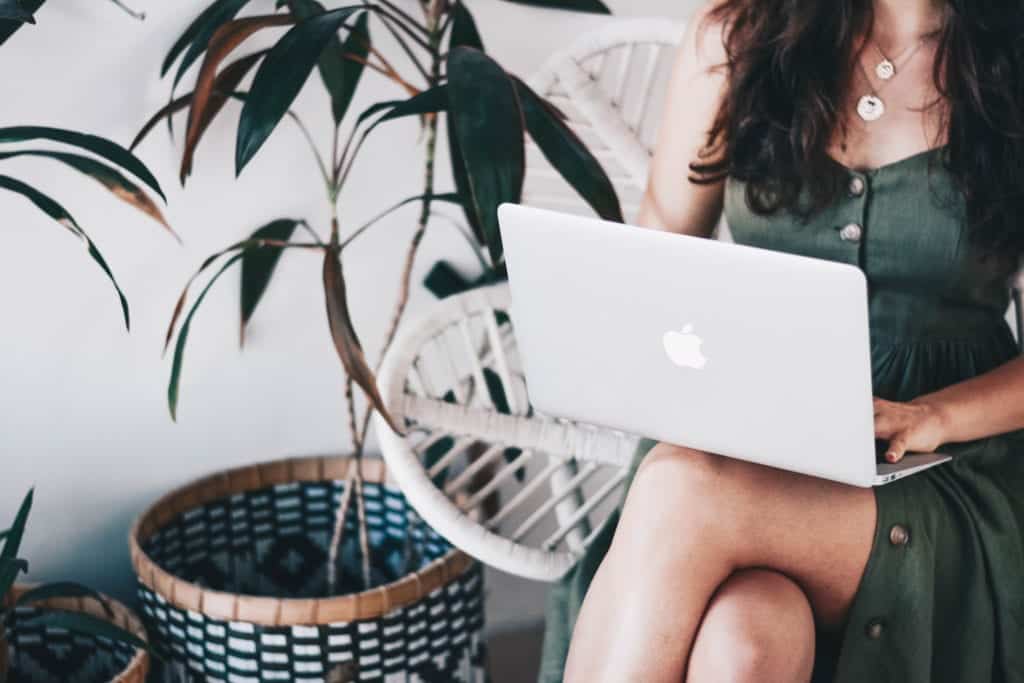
x,y
486,114
63,631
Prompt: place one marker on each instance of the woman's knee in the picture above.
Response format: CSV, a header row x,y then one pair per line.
x,y
757,627
678,467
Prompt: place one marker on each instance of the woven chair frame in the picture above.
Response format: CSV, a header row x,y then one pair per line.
x,y
136,670
571,472
608,83
274,611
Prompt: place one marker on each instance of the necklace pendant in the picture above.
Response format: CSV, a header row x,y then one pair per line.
x,y
885,70
870,108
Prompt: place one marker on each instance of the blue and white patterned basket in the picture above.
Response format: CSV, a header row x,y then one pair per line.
x,y
233,579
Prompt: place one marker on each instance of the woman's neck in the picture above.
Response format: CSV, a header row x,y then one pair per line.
x,y
899,22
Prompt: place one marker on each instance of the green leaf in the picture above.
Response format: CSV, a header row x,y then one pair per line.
x,y
464,30
179,348
13,536
461,178
11,10
197,36
488,125
338,70
4,534
258,266
443,280
280,78
63,589
111,151
9,26
568,155
429,101
87,624
10,565
112,179
593,6
61,215
9,570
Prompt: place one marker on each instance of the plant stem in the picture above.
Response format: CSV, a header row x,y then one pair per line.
x,y
405,46
424,219
312,146
405,15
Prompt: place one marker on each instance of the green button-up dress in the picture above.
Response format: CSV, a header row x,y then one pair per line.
x,y
942,597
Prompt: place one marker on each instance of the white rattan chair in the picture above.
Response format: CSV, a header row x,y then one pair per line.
x,y
534,491
518,491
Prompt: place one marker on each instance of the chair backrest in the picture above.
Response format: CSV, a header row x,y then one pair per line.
x,y
610,85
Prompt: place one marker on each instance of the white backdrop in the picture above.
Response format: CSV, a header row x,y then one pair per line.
x,y
83,415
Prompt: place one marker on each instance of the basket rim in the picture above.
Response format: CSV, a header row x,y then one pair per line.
x,y
138,666
273,611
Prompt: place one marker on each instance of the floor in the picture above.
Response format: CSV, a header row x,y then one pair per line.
x,y
515,654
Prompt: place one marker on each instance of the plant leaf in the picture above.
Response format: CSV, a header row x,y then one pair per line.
x,y
593,6
223,86
224,41
344,336
464,30
429,101
61,215
179,348
443,280
12,542
280,77
338,70
112,179
258,266
196,38
11,10
568,155
461,179
210,260
63,589
9,26
111,151
87,624
9,570
488,125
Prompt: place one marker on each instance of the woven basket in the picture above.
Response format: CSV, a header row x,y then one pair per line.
x,y
233,587
37,654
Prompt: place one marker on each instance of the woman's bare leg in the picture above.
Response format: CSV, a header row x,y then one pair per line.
x,y
690,520
758,629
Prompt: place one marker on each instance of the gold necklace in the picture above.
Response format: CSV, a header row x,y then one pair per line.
x,y
871,106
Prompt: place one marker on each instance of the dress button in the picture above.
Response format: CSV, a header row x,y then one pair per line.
x,y
874,629
857,186
851,233
898,535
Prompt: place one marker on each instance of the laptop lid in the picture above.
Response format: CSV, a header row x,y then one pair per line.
x,y
735,350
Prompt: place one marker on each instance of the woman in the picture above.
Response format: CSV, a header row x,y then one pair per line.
x,y
888,134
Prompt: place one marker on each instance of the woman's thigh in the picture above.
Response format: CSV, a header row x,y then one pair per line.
x,y
758,627
817,532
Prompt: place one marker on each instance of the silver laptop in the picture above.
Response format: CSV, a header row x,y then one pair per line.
x,y
735,350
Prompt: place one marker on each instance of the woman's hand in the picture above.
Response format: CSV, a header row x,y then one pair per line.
x,y
918,426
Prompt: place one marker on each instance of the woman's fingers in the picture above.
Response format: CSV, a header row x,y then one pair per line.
x,y
897,448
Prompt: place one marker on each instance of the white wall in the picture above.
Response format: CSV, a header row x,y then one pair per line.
x,y
82,404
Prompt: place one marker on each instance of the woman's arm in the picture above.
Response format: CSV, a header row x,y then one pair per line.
x,y
671,202
983,406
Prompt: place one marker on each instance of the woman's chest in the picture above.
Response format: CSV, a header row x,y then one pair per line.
x,y
901,225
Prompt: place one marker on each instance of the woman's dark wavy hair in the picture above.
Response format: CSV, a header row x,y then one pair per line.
x,y
789,65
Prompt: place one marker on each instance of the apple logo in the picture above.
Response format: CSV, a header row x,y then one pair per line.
x,y
683,348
